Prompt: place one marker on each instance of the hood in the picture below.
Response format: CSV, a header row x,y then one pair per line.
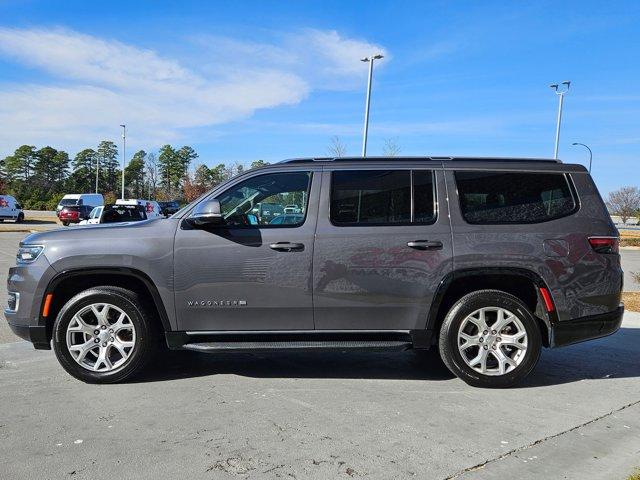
x,y
88,235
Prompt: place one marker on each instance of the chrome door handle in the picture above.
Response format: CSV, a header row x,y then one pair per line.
x,y
425,245
287,247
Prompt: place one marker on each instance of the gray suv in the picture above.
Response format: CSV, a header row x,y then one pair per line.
x,y
483,260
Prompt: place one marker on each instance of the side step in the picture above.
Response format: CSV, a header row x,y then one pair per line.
x,y
316,345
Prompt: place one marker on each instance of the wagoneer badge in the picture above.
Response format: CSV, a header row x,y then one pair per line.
x,y
217,303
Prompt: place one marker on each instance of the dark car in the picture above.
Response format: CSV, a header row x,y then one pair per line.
x,y
168,208
483,261
74,213
287,219
114,213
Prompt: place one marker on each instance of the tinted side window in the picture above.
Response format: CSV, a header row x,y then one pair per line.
x,y
381,197
513,197
424,197
260,200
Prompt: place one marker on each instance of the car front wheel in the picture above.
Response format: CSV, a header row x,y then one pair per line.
x,y
104,335
489,338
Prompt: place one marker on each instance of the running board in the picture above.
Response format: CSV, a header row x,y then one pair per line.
x,y
351,345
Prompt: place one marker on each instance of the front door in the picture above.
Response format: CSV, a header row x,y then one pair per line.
x,y
383,244
254,271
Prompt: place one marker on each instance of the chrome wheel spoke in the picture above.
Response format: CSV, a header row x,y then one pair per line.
x,y
79,325
478,319
514,340
82,349
469,341
502,321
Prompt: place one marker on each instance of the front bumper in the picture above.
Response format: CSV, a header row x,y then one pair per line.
x,y
586,328
35,334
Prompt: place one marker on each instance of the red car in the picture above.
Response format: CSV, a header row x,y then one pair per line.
x,y
74,214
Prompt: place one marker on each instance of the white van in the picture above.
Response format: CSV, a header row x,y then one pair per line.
x,y
91,199
10,209
151,207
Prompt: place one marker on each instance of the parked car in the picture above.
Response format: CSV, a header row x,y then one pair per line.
x,y
94,216
292,209
287,219
91,199
267,211
169,208
74,214
151,207
485,261
118,213
10,209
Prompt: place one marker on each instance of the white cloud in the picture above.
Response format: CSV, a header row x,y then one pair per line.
x,y
101,83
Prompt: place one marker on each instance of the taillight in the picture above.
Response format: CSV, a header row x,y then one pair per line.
x,y
604,244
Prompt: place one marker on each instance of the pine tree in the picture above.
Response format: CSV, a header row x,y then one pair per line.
x,y
84,170
134,174
108,156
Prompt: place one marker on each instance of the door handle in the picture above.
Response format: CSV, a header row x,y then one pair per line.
x,y
287,247
425,245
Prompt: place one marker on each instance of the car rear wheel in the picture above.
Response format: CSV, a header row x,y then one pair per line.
x,y
20,218
66,224
489,338
104,335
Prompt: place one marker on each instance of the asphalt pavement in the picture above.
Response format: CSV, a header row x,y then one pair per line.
x,y
321,415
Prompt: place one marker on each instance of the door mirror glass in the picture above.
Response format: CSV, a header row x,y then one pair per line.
x,y
206,213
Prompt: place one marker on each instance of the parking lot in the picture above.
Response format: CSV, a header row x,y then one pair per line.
x,y
321,415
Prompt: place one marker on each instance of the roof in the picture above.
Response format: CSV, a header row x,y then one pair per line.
x,y
413,159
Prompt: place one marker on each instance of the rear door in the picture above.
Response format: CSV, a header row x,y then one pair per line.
x,y
383,243
250,274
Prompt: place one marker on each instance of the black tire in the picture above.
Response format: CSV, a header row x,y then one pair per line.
x,y
66,224
20,218
141,317
448,340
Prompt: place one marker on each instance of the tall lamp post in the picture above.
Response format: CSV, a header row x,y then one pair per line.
x,y
124,154
590,152
561,93
366,110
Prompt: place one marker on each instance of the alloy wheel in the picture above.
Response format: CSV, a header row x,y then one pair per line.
x,y
492,341
101,337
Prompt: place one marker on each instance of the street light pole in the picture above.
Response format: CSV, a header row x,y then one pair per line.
x,y
590,152
561,94
124,154
368,102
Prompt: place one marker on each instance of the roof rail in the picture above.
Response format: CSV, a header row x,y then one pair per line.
x,y
399,159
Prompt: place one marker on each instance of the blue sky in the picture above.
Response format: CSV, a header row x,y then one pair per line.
x,y
246,80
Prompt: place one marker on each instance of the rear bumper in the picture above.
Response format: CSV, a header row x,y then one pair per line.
x,y
586,328
35,334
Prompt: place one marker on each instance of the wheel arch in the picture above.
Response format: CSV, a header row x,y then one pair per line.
x,y
66,284
521,282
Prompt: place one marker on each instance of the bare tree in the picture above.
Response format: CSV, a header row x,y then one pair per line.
x,y
151,164
336,147
624,202
391,148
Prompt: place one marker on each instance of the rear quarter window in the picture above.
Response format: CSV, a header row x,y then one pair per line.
x,y
514,197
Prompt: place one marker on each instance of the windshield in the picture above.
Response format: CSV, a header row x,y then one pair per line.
x,y
68,201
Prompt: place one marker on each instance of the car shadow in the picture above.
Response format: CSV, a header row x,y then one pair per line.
x,y
299,364
616,356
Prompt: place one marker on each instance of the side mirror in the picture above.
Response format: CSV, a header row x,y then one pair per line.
x,y
206,213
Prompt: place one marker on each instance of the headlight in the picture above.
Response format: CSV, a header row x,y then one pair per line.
x,y
28,253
